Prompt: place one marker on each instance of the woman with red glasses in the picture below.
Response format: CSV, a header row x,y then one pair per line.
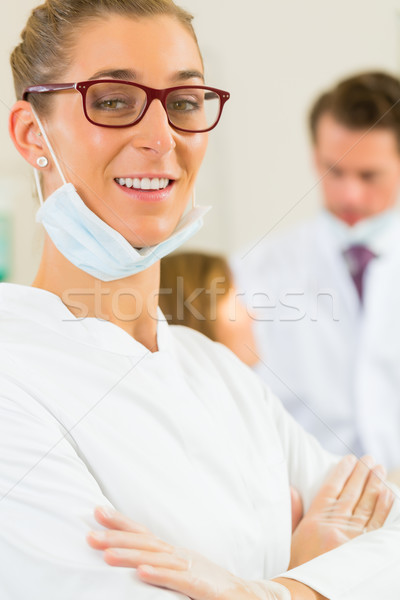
x,y
102,403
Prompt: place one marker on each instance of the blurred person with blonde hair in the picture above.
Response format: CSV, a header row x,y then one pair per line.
x,y
197,290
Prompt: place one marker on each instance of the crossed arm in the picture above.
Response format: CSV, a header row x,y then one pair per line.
x,y
353,500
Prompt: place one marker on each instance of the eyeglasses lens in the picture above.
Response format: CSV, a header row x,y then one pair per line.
x,y
194,109
115,104
119,104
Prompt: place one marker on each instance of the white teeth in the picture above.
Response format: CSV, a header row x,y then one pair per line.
x,y
146,184
143,184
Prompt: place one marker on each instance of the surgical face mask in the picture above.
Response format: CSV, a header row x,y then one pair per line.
x,y
92,245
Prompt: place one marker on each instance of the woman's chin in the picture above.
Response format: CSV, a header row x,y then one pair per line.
x,y
142,232
149,239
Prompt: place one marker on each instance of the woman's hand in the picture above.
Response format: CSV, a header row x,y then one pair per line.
x,y
127,544
353,500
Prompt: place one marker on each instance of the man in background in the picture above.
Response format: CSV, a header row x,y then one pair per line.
x,y
326,295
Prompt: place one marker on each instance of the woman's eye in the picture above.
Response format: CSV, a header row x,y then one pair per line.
x,y
111,104
183,105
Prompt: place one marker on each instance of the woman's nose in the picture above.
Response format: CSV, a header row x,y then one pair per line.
x,y
153,134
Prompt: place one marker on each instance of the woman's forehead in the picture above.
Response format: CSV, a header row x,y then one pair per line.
x,y
150,47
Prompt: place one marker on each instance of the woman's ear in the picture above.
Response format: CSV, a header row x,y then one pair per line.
x,y
24,132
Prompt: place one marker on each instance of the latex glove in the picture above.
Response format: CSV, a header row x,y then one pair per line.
x,y
127,544
297,507
354,500
394,476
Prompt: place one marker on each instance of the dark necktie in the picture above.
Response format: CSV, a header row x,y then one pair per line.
x,y
358,258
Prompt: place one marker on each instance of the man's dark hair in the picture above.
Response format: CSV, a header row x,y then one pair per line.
x,y
366,100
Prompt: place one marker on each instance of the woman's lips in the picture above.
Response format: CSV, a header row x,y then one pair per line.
x,y
147,189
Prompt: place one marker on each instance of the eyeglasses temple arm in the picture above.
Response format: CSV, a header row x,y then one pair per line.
x,y
51,87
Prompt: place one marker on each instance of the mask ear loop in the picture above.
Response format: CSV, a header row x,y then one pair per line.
x,y
38,186
54,157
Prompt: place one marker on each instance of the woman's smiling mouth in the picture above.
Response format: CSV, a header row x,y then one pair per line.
x,y
145,183
153,189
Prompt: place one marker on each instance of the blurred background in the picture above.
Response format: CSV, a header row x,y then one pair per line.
x,y
274,58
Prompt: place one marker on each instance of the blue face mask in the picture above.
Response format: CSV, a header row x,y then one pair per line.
x,y
92,245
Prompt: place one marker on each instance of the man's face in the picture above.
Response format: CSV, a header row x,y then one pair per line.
x,y
359,169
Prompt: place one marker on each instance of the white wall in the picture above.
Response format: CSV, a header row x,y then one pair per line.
x,y
274,57
16,181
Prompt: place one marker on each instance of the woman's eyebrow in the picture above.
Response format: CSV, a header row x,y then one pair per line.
x,y
189,74
125,74
130,75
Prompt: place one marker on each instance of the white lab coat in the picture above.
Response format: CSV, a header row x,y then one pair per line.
x,y
187,441
334,364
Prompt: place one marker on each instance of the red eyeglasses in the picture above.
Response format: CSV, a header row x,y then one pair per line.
x,y
115,103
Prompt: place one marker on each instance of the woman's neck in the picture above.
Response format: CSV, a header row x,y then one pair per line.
x,y
131,303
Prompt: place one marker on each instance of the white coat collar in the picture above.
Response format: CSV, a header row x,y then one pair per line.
x,y
47,310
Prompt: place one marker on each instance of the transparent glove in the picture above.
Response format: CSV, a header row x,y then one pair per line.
x,y
297,507
127,544
353,500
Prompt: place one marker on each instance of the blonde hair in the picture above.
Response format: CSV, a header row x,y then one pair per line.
x,y
48,38
206,276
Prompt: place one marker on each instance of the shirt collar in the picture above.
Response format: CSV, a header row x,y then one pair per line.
x,y
379,233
